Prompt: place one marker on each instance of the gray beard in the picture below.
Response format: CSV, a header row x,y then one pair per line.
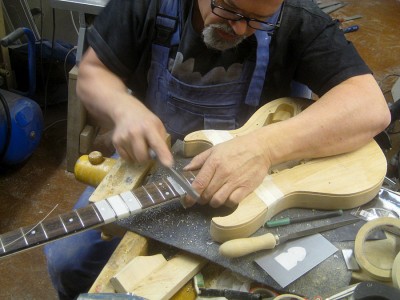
x,y
212,39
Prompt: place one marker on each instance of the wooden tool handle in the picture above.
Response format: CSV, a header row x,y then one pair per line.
x,y
244,246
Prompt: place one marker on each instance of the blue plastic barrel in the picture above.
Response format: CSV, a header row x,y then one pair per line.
x,y
26,119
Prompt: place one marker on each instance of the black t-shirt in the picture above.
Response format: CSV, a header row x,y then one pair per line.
x,y
307,47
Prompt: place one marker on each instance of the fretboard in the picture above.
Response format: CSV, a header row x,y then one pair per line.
x,y
99,213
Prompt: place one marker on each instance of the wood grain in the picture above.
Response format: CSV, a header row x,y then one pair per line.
x,y
338,182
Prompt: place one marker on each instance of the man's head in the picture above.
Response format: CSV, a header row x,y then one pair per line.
x,y
226,23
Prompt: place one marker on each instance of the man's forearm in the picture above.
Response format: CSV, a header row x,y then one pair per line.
x,y
100,90
344,119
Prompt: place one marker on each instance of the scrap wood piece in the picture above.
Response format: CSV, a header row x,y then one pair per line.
x,y
331,9
131,246
324,5
136,271
162,280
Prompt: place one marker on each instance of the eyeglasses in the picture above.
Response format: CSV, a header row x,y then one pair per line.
x,y
234,16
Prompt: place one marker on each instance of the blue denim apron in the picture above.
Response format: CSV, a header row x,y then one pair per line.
x,y
184,108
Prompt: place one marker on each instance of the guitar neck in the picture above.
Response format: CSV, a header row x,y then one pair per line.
x,y
99,213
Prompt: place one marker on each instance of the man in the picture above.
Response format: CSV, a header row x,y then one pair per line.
x,y
210,64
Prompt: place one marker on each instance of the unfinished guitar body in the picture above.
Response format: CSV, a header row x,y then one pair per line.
x,y
272,112
338,182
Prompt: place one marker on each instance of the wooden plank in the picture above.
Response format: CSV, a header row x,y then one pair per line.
x,y
76,121
131,245
86,139
136,271
5,58
164,279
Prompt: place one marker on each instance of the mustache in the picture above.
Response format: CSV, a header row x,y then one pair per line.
x,y
223,26
212,39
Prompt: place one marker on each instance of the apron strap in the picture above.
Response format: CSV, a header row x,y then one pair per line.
x,y
168,25
257,82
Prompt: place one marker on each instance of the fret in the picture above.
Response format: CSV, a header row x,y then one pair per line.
x,y
13,241
131,201
49,229
106,211
175,187
35,235
143,197
71,222
89,216
62,223
2,245
155,193
173,192
189,176
159,191
79,218
44,231
23,235
149,195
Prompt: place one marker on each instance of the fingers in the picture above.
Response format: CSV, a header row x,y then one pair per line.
x,y
228,173
122,153
159,146
211,181
227,195
226,188
198,161
131,149
132,140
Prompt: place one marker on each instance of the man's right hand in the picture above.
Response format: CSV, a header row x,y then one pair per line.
x,y
137,130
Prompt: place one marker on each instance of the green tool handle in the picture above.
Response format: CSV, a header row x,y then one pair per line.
x,y
276,223
287,221
244,246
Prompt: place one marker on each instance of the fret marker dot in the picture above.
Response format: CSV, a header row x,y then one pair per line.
x,y
33,232
71,220
167,193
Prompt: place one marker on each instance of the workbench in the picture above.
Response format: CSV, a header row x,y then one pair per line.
x,y
171,226
375,41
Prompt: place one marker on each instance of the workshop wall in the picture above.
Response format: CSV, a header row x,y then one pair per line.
x,y
64,26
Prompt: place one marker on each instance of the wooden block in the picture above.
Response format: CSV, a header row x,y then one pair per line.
x,y
86,139
163,281
5,57
131,246
76,121
123,176
135,271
